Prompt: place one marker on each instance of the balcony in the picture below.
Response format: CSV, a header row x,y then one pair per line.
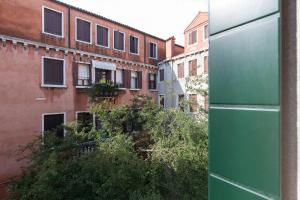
x,y
103,90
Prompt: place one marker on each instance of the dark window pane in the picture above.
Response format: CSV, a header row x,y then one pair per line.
x,y
118,40
53,71
133,44
102,36
162,101
181,102
54,123
152,81
153,48
161,75
83,31
52,22
85,121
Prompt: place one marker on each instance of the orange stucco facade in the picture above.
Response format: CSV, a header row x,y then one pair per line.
x,y
198,24
23,44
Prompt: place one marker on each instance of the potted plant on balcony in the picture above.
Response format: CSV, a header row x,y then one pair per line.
x,y
103,89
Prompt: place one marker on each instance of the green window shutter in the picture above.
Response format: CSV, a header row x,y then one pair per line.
x,y
244,89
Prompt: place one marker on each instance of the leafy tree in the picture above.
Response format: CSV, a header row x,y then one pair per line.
x,y
141,152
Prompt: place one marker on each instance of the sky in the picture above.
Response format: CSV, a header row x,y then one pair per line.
x,y
162,18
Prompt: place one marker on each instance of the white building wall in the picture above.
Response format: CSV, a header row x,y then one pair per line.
x,y
174,86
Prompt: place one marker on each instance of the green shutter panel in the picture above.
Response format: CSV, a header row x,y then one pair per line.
x,y
244,110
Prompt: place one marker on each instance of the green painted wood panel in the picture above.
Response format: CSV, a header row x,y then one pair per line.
x,y
221,190
244,101
225,14
244,147
244,64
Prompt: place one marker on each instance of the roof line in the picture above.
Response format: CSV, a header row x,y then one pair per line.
x,y
107,19
199,12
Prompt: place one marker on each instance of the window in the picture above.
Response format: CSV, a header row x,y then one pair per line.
x,y
102,36
53,72
84,121
83,75
180,70
120,78
152,81
134,80
161,75
119,41
161,100
193,67
205,64
102,75
205,34
193,103
193,37
52,22
134,45
83,31
153,50
181,102
53,123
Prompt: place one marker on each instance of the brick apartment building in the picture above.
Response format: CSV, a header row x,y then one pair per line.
x,y
49,53
176,68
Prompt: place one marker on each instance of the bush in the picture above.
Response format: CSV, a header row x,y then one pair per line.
x,y
162,156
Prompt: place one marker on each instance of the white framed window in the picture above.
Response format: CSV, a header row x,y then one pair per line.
x,y
193,37
152,81
153,50
119,40
133,45
161,100
53,72
83,75
54,122
134,80
120,78
83,31
102,36
205,32
52,22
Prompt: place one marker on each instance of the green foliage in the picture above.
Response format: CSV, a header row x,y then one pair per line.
x,y
103,89
163,157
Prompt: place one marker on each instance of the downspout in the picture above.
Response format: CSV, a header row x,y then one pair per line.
x,y
69,26
145,47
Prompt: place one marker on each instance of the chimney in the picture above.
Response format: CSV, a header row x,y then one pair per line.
x,y
170,47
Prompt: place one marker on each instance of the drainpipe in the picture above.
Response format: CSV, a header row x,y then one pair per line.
x,y
145,47
69,26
